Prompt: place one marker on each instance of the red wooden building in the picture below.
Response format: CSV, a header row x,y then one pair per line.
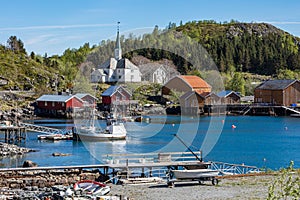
x,y
115,95
88,100
56,105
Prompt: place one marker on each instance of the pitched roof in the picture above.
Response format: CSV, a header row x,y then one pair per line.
x,y
275,84
195,81
81,95
112,89
203,94
225,93
151,67
55,98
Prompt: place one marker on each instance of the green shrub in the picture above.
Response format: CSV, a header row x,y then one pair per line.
x,y
286,185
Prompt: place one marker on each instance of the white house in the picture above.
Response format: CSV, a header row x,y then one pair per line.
x,y
157,73
116,69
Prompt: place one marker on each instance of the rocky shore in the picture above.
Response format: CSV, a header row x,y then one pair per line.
x,y
53,185
11,150
43,184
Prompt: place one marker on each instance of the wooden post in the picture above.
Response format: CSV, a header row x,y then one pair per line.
x,y
6,135
150,173
127,168
143,172
201,156
113,173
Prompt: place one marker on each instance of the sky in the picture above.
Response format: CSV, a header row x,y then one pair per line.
x,y
52,26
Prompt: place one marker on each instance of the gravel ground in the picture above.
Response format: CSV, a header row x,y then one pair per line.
x,y
250,187
253,187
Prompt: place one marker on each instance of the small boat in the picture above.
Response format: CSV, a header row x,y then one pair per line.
x,y
92,187
195,173
55,137
295,115
115,130
146,119
140,180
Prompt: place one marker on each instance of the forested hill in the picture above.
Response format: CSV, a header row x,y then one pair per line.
x,y
235,47
258,48
249,47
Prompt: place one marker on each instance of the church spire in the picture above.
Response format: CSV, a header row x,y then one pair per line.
x,y
118,50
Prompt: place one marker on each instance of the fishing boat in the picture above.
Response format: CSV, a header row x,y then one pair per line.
x,y
92,187
115,130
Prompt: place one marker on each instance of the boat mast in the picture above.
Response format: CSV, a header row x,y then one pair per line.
x,y
200,159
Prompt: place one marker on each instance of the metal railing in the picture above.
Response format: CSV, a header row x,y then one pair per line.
x,y
44,129
234,169
150,157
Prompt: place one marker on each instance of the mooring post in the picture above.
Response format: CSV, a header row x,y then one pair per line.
x,y
127,168
201,156
5,132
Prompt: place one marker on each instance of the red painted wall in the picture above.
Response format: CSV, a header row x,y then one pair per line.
x,y
73,102
106,100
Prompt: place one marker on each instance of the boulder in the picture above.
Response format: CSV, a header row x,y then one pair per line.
x,y
60,154
29,163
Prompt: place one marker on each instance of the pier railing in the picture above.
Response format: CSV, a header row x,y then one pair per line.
x,y
234,169
166,157
174,159
44,129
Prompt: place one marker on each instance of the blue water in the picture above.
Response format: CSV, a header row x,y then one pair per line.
x,y
259,141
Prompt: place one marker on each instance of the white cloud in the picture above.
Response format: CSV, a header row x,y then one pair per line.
x,y
56,27
38,39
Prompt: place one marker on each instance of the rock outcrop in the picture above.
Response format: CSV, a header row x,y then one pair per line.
x,y
11,150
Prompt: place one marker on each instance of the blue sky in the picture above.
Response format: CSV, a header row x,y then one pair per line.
x,y
51,26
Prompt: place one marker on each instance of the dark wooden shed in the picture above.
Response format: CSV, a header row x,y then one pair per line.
x,y
278,92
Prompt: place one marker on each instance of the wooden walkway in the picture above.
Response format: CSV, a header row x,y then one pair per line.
x,y
127,166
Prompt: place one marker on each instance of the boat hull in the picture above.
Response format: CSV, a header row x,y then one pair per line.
x,y
92,187
113,132
195,173
100,137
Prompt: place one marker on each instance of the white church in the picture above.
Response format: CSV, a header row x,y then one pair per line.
x,y
116,69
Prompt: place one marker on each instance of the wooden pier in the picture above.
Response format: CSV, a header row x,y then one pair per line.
x,y
12,133
254,109
148,165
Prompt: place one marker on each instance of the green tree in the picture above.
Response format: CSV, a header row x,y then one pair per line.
x,y
237,83
15,45
285,74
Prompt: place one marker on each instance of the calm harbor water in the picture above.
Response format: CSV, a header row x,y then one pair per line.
x,y
259,141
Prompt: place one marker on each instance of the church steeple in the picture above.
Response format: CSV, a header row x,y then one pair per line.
x,y
118,50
